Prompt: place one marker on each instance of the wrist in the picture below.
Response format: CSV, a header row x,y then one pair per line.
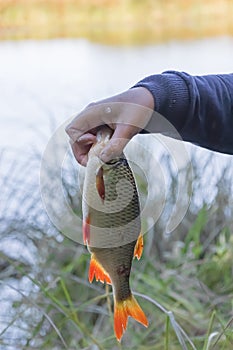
x,y
144,97
137,95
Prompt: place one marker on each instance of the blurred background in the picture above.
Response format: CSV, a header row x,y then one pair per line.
x,y
56,56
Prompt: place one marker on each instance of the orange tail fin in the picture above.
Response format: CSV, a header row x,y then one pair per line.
x,y
122,310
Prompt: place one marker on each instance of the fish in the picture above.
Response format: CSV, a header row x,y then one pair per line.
x,y
112,228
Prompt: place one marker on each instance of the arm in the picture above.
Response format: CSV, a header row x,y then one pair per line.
x,y
200,107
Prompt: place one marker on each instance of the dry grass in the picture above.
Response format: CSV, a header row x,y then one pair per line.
x,y
115,22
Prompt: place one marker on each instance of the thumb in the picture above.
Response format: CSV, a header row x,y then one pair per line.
x,y
114,148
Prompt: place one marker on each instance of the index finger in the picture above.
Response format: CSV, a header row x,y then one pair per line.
x,y
90,118
80,149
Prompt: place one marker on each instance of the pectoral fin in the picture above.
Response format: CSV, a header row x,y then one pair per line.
x,y
139,247
100,183
96,270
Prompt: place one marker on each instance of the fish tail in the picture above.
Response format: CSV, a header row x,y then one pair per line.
x,y
123,309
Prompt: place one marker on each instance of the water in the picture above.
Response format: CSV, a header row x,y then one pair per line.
x,y
42,81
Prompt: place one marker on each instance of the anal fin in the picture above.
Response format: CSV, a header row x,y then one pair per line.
x,y
96,270
139,247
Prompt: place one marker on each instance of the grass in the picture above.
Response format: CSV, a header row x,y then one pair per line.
x,y
184,283
75,324
121,22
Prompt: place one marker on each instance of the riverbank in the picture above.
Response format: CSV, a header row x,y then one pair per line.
x,y
115,22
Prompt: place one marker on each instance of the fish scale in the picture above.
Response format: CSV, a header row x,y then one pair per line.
x,y
111,228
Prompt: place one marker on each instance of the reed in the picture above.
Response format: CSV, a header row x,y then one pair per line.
x,y
124,22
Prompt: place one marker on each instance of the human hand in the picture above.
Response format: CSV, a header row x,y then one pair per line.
x,y
122,113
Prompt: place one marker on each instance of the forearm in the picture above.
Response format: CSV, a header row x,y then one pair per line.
x,y
199,107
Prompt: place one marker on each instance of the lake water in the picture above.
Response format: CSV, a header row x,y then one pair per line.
x,y
44,80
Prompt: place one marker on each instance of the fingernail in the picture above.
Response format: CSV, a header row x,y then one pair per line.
x,y
81,138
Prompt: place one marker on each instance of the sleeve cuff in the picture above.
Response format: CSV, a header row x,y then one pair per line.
x,y
171,95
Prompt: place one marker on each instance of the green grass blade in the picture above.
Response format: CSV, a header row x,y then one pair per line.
x,y
167,333
209,335
180,333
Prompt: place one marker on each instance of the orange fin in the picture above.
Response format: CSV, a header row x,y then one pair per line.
x,y
96,270
100,183
122,310
139,247
86,231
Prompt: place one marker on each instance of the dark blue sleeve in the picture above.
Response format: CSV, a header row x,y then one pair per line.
x,y
199,107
